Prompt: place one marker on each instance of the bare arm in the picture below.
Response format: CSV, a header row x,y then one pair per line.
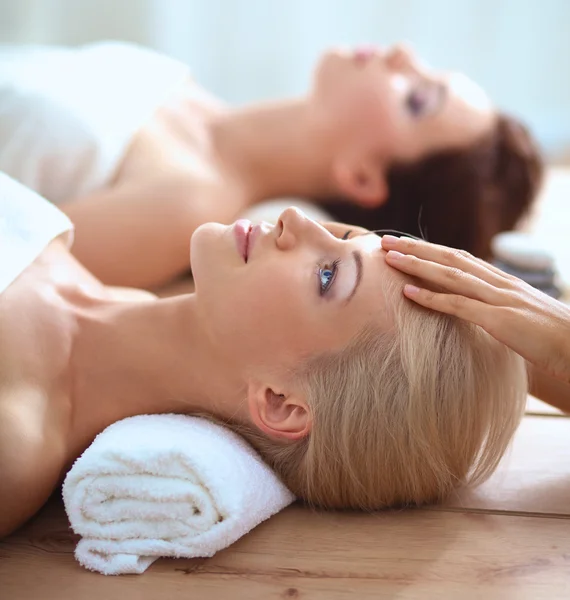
x,y
138,233
32,455
534,325
548,389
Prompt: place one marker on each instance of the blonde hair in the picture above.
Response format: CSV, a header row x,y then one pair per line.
x,y
404,416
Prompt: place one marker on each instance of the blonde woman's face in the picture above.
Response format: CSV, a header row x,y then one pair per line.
x,y
271,296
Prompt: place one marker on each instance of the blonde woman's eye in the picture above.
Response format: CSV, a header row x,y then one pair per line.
x,y
327,275
347,234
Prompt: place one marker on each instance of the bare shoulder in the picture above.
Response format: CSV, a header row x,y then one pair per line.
x,y
32,453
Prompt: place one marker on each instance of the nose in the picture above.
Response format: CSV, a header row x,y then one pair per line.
x,y
401,57
294,227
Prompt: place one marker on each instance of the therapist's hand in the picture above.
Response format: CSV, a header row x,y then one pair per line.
x,y
533,324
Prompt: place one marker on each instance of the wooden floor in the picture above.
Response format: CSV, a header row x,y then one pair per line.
x,y
510,539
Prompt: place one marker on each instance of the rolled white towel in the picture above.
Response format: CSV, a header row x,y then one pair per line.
x,y
166,485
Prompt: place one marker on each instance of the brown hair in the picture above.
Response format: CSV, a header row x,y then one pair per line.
x,y
459,198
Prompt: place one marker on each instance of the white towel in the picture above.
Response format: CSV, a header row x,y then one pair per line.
x,y
68,115
166,485
28,223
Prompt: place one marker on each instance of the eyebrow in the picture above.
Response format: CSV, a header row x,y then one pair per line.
x,y
359,269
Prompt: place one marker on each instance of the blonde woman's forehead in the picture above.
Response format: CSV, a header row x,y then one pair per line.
x,y
369,242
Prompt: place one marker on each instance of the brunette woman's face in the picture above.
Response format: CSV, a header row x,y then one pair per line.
x,y
386,107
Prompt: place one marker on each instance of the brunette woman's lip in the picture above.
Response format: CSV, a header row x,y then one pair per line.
x,y
363,54
241,230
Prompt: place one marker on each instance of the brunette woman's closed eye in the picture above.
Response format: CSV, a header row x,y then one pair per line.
x,y
424,98
416,102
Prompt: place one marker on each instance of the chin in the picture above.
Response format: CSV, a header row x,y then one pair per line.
x,y
331,73
206,247
330,62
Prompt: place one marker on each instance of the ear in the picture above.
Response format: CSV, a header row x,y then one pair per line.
x,y
279,413
361,180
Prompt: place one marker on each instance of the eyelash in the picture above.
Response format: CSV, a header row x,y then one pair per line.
x,y
381,232
416,102
332,267
335,264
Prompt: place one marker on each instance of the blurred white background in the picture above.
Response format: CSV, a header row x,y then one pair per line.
x,y
518,50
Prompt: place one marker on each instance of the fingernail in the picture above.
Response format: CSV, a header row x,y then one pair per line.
x,y
394,255
389,239
411,289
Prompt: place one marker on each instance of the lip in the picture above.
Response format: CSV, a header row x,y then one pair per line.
x,y
242,229
254,233
364,54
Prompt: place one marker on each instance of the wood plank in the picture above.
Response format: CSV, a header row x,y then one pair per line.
x,y
534,477
332,556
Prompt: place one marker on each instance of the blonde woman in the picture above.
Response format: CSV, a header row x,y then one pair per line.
x,y
138,155
297,335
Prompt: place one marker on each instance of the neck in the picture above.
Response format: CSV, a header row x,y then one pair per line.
x,y
274,149
148,357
